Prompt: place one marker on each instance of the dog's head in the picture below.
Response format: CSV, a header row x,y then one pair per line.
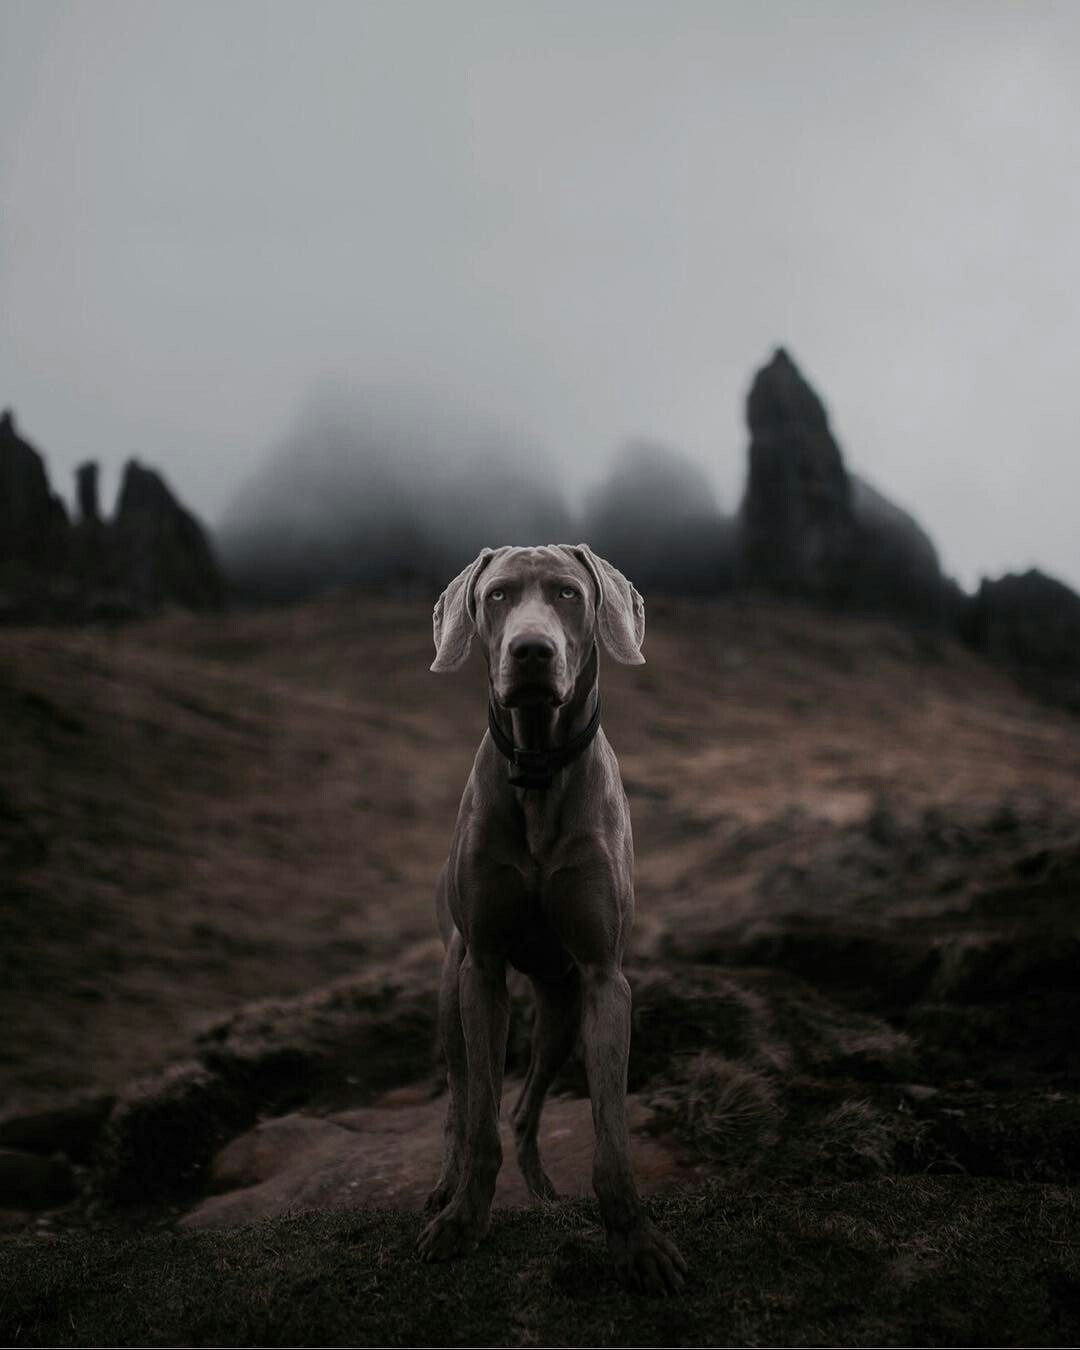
x,y
538,613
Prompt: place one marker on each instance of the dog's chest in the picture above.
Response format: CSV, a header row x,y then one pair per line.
x,y
542,831
538,840
535,948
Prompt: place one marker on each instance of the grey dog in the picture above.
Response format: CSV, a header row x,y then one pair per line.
x,y
540,875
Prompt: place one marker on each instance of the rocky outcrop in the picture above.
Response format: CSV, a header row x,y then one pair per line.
x,y
153,553
86,485
162,551
33,522
1029,622
809,528
897,569
798,530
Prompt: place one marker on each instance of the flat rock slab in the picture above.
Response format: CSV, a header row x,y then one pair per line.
x,y
388,1156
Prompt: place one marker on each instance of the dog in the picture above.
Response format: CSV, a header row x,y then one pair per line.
x,y
540,876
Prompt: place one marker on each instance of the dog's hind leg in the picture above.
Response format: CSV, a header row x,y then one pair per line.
x,y
556,1024
457,1078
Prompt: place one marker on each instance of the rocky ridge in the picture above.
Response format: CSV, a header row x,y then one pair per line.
x,y
152,553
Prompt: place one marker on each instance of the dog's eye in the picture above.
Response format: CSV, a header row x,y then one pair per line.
x,y
496,594
568,593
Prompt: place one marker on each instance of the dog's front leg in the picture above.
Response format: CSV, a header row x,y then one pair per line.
x,y
645,1257
485,1013
457,1078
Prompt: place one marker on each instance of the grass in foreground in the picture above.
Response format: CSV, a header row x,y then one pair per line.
x,y
933,1261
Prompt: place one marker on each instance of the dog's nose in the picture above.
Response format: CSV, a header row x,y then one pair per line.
x,y
532,649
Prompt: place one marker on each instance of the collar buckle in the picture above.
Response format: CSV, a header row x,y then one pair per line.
x,y
538,767
535,760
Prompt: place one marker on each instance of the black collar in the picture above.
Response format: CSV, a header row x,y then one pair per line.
x,y
538,767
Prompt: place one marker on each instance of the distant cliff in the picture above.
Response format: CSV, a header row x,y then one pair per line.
x,y
151,554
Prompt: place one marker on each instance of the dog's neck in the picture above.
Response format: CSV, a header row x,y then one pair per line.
x,y
538,727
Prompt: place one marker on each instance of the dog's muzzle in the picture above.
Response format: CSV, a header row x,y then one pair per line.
x,y
531,672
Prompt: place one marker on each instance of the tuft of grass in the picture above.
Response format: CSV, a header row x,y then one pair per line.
x,y
757,1125
858,1138
722,1108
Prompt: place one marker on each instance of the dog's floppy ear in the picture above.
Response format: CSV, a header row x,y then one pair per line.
x,y
454,620
620,610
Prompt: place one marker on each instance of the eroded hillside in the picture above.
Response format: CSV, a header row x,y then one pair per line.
x,y
197,811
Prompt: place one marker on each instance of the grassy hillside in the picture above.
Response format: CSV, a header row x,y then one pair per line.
x,y
882,1263
856,974
199,811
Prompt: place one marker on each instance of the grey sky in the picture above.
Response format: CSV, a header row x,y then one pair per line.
x,y
593,219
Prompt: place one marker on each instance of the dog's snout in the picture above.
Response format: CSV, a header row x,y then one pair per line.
x,y
532,649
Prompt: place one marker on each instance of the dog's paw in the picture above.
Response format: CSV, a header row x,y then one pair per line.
x,y
451,1234
440,1197
541,1189
648,1261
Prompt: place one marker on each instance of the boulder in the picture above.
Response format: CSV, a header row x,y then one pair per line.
x,y
388,1155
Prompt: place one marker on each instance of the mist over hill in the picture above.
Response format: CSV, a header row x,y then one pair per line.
x,y
385,485
656,516
400,487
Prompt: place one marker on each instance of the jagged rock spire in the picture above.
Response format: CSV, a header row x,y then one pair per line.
x,y
798,525
153,553
33,522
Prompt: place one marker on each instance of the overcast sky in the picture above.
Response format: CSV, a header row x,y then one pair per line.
x,y
593,219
